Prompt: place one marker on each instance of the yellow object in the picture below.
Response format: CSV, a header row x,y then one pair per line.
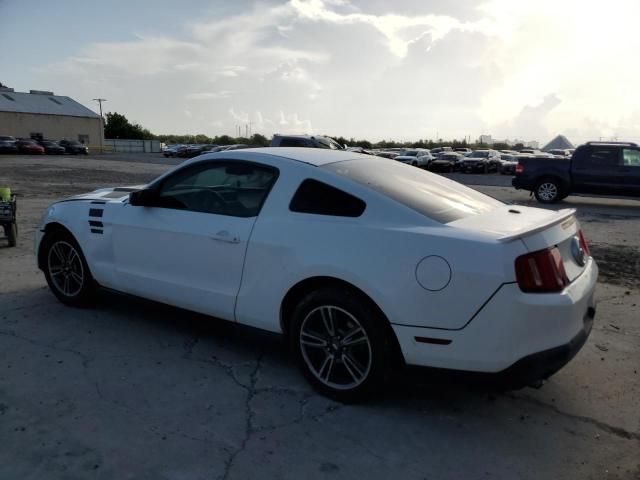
x,y
5,194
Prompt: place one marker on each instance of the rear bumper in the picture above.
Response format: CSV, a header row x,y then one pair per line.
x,y
522,183
514,334
541,365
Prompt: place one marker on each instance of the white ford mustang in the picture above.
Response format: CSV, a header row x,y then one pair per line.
x,y
362,262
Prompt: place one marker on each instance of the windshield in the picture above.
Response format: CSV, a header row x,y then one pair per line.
x,y
479,154
410,153
436,197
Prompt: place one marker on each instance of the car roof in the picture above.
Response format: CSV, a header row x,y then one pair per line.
x,y
311,156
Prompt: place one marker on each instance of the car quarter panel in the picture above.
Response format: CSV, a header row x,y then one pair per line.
x,y
377,252
511,326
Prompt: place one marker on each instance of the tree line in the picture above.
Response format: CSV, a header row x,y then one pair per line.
x,y
118,126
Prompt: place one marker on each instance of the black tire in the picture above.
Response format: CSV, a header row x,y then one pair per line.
x,y
55,246
369,356
548,190
414,164
11,231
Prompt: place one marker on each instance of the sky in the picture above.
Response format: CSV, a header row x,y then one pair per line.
x,y
375,69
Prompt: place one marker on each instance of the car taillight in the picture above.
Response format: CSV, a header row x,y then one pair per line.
x,y
519,168
583,243
541,272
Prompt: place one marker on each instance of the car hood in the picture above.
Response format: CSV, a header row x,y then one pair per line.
x,y
106,194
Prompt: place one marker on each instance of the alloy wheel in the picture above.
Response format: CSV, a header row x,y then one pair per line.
x,y
547,191
335,347
65,268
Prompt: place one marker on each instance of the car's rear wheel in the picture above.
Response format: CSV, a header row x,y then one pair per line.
x,y
342,344
548,190
66,270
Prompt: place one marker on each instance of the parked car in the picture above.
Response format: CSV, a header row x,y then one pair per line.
x,y
182,151
438,150
360,150
171,150
447,162
560,152
417,157
52,148
390,155
462,150
195,150
603,168
74,147
237,146
29,146
307,141
508,163
468,283
482,161
8,146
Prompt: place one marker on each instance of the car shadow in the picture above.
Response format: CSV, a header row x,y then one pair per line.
x,y
405,382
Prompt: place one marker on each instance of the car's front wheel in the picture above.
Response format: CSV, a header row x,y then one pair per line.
x,y
66,270
342,343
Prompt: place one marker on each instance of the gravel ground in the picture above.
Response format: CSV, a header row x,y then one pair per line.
x,y
134,389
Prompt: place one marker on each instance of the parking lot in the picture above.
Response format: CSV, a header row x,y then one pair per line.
x,y
134,389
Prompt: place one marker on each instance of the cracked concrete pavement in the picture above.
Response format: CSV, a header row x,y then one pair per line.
x,y
131,389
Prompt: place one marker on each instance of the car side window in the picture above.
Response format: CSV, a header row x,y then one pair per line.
x,y
630,157
236,189
318,198
603,158
293,142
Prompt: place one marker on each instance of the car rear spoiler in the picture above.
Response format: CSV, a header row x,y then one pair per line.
x,y
563,216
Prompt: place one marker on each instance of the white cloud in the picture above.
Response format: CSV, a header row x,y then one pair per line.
x,y
378,69
209,95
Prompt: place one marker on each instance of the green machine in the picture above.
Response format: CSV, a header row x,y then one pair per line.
x,y
8,215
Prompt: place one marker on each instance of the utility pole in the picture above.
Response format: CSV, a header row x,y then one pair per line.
x,y
100,100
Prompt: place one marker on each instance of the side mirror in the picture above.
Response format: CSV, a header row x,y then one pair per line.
x,y
142,198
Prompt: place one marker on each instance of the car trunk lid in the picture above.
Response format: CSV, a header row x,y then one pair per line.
x,y
538,229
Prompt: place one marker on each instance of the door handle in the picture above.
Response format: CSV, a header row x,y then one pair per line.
x,y
224,236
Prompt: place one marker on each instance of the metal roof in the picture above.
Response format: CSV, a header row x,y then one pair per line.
x,y
20,102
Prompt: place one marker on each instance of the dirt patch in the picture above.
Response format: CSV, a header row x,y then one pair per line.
x,y
58,181
619,264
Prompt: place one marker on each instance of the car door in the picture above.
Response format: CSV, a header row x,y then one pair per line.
x,y
598,170
187,247
631,170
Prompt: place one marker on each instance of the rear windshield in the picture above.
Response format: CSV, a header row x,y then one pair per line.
x,y
436,197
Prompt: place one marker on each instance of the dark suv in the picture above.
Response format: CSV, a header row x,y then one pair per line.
x,y
308,141
611,168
